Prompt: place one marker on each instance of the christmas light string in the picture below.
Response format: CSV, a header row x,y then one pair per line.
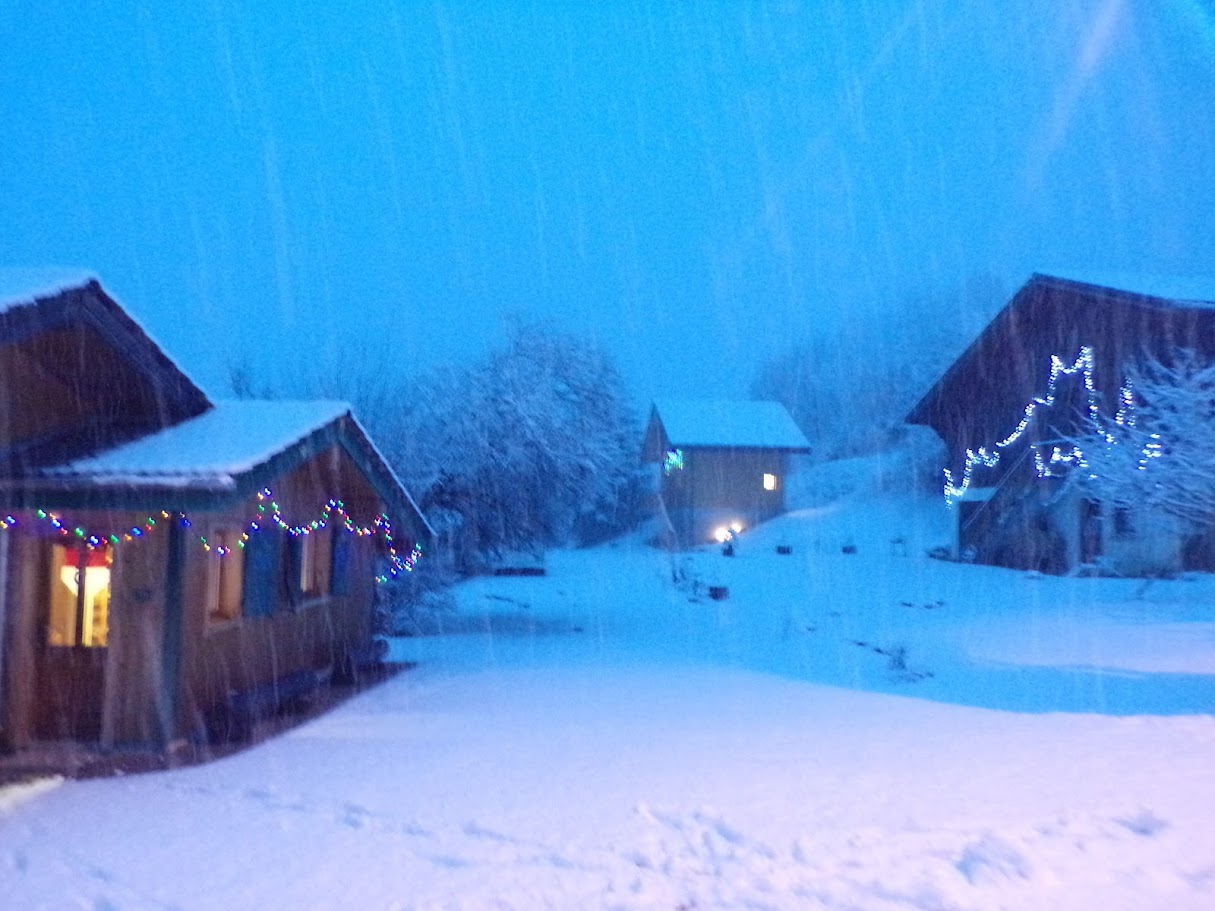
x,y
1061,457
989,457
267,510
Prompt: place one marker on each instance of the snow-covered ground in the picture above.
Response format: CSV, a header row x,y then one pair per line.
x,y
867,730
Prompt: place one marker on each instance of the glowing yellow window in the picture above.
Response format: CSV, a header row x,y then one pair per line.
x,y
79,609
769,481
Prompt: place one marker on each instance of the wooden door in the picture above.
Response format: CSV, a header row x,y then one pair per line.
x,y
74,635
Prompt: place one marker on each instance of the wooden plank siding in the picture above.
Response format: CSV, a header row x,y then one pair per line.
x,y
1030,521
166,663
719,486
80,375
296,634
144,662
982,395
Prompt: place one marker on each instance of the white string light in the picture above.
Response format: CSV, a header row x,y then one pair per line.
x,y
990,457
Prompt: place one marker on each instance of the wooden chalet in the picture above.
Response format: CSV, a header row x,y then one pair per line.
x,y
170,564
1018,511
720,464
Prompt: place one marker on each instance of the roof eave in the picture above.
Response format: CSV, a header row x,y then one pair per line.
x,y
219,490
751,447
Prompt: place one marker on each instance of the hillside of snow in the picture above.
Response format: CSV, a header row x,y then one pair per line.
x,y
852,726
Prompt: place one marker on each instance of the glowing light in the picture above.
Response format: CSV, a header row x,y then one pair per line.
x,y
672,461
400,561
1061,458
725,533
989,457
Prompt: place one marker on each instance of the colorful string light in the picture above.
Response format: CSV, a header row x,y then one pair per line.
x,y
267,509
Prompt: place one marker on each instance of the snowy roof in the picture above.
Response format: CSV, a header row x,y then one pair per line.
x,y
25,285
1192,290
732,423
212,449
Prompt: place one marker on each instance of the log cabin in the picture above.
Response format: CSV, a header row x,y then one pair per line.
x,y
169,562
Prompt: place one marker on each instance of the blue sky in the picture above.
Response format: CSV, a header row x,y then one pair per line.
x,y
694,184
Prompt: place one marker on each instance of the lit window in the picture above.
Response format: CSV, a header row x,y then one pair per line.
x,y
769,481
226,578
79,611
315,564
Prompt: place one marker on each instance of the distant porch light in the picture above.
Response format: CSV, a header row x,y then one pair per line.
x,y
724,533
769,481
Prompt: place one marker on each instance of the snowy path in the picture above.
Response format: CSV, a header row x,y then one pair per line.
x,y
598,739
643,787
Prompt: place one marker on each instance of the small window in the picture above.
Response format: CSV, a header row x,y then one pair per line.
x,y
769,481
226,577
1123,526
311,565
79,609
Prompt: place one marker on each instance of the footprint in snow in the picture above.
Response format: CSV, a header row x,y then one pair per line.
x,y
1145,823
355,816
476,830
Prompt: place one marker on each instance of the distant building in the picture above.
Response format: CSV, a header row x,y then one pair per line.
x,y
1017,511
720,464
167,562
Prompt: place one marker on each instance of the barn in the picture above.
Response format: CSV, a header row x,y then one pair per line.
x,y
170,562
719,464
1059,349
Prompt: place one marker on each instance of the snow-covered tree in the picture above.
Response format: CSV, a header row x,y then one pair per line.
x,y
534,444
1157,454
530,446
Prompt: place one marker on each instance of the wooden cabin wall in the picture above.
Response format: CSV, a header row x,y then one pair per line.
x,y
36,403
166,663
722,485
68,384
229,657
45,693
136,704
20,640
728,478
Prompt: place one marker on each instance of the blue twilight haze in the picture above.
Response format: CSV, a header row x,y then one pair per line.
x,y
695,184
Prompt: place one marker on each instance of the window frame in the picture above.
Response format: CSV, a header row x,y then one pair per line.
x,y
220,570
75,554
309,568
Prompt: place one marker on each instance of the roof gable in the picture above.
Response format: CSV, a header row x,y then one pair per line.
x,y
95,413
78,373
1179,291
731,424
24,287
983,394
